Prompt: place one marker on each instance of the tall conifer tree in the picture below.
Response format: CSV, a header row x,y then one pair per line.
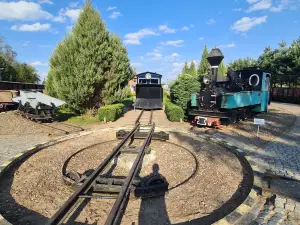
x,y
192,69
203,67
186,68
80,65
119,74
222,71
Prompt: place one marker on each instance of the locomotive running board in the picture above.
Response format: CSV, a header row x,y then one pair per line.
x,y
162,136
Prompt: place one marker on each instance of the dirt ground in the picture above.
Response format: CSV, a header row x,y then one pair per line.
x,y
12,123
34,191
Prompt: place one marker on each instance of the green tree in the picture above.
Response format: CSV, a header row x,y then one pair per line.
x,y
192,69
115,88
203,67
81,63
222,71
241,63
186,68
26,73
7,71
182,89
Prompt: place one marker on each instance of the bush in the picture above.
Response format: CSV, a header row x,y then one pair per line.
x,y
110,112
127,101
173,112
181,91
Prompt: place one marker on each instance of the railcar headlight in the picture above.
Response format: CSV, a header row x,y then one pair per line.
x,y
206,80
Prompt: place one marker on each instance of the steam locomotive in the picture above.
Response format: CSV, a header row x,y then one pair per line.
x,y
229,99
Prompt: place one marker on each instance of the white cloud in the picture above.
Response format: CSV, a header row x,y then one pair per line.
x,y
115,15
211,21
252,1
45,2
261,5
32,27
184,28
111,8
201,39
156,55
177,43
175,55
22,10
247,23
136,64
73,4
38,63
134,38
232,45
238,9
72,14
26,43
166,29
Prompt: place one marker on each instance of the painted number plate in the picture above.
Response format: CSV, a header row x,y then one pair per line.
x,y
259,121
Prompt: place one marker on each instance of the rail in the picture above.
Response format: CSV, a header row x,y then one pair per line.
x,y
82,191
87,185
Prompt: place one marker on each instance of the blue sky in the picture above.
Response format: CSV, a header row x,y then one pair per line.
x,y
160,35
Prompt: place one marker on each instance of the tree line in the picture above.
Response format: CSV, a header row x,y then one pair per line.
x,y
190,80
282,62
90,67
11,69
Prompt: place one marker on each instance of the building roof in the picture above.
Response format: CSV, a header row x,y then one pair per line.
x,y
152,73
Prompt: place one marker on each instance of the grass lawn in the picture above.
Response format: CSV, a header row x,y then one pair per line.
x,y
65,115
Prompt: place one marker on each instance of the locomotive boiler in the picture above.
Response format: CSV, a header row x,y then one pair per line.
x,y
231,98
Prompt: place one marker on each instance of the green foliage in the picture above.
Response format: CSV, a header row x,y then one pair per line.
x,y
186,68
89,67
203,67
115,88
241,63
222,71
12,70
127,101
174,113
192,69
182,89
26,73
110,112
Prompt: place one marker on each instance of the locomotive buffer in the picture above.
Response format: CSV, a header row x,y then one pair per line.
x,y
86,187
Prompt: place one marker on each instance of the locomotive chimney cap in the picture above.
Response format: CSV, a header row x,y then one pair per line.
x,y
215,57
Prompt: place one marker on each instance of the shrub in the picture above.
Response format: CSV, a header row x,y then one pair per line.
x,y
127,101
110,112
173,112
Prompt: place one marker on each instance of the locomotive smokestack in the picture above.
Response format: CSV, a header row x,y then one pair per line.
x,y
214,58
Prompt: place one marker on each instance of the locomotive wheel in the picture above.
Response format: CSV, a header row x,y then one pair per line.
x,y
234,116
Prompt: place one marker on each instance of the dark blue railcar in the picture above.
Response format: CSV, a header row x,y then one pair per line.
x,y
149,92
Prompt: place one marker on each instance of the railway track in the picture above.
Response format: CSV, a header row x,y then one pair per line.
x,y
96,186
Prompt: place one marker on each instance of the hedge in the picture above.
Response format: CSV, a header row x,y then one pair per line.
x,y
110,112
173,112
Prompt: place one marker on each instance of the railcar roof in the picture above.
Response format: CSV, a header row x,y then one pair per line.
x,y
152,74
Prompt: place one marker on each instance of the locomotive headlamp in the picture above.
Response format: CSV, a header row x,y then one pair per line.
x,y
206,80
148,76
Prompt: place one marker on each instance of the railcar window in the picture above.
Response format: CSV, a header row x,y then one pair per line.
x,y
142,81
154,81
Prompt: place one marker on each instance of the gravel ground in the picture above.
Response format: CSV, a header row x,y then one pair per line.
x,y
17,133
34,191
278,121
